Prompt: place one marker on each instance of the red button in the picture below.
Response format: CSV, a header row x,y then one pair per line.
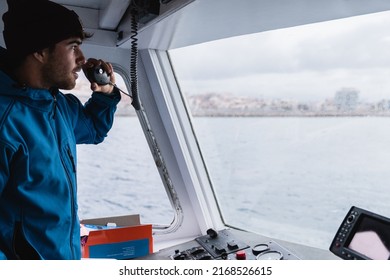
x,y
241,255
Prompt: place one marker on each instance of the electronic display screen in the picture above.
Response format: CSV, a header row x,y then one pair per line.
x,y
371,238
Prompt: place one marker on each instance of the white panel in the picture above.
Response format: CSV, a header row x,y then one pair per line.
x,y
112,13
205,20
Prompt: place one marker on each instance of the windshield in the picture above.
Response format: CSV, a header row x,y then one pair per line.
x,y
293,124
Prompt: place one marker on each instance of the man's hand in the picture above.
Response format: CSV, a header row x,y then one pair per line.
x,y
107,67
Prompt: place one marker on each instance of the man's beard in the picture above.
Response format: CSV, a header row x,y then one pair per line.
x,y
56,76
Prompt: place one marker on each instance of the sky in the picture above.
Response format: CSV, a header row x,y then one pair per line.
x,y
309,62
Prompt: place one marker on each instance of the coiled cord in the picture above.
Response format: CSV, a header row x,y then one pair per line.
x,y
133,59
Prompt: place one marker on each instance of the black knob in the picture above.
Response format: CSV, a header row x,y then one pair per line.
x,y
350,218
212,233
219,250
232,245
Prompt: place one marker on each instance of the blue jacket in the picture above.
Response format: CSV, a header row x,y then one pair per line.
x,y
39,130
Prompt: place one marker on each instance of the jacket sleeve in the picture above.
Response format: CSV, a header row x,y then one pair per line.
x,y
93,120
2,256
6,154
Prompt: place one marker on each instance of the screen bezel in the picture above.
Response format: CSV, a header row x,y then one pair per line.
x,y
359,219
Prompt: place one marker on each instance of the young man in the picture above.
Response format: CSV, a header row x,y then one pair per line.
x,y
40,127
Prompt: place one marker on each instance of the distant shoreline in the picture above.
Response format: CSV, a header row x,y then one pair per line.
x,y
128,113
292,114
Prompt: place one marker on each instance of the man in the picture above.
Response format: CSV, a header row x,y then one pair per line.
x,y
40,127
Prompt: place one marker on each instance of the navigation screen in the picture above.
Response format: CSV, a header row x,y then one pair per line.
x,y
371,238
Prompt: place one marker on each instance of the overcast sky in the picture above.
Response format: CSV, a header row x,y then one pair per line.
x,y
309,62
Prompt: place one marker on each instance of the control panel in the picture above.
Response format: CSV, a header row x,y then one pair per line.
x,y
224,245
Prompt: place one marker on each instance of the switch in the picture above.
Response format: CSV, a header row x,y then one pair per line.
x,y
241,255
232,245
196,250
219,250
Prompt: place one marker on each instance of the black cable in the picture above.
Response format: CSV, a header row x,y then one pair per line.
x,y
133,59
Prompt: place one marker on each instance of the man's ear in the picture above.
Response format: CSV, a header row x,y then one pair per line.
x,y
41,55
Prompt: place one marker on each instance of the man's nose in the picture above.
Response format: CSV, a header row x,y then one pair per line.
x,y
81,60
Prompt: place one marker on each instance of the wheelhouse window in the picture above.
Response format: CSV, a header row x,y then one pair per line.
x,y
293,124
117,176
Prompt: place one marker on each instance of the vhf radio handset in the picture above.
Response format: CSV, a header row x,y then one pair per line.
x,y
98,75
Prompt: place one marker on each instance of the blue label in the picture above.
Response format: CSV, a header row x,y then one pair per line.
x,y
98,227
120,250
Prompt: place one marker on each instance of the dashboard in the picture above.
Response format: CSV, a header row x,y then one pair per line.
x,y
233,244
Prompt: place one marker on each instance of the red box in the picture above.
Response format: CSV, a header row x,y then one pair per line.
x,y
127,240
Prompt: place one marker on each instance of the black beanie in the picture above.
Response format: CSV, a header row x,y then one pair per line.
x,y
33,25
